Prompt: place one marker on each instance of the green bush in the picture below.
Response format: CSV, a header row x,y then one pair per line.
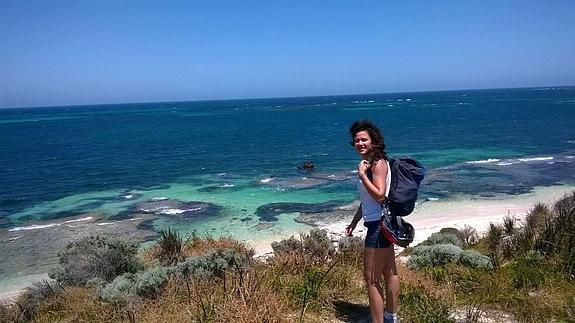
x,y
212,264
95,257
291,245
443,238
120,291
528,271
171,247
435,255
494,243
474,259
318,245
315,246
468,235
130,288
509,225
558,238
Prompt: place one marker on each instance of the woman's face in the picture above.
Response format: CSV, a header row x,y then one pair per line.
x,y
362,143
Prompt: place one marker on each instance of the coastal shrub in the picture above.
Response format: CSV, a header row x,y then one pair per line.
x,y
474,259
528,271
314,246
196,246
509,225
456,232
558,238
469,235
418,305
129,288
443,238
493,237
536,218
212,264
435,255
121,290
291,245
35,295
95,257
317,245
170,248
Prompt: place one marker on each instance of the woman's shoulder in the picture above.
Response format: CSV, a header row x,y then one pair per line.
x,y
380,164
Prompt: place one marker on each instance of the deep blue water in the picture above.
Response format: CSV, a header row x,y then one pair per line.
x,y
52,158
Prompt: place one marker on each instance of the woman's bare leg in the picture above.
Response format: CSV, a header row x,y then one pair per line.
x,y
373,265
391,280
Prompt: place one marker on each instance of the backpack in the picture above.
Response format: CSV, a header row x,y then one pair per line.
x,y
406,177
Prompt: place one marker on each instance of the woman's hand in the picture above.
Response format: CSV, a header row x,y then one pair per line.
x,y
363,167
349,229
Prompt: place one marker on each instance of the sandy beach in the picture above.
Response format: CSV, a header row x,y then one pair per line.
x,y
432,216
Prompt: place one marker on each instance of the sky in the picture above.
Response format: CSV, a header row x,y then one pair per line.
x,y
77,52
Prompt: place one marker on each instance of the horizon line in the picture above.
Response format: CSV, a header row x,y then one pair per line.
x,y
284,97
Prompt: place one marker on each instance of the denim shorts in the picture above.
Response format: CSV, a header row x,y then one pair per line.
x,y
374,237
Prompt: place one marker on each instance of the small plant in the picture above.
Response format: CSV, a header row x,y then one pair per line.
x,y
170,248
131,288
509,226
473,313
444,238
95,257
474,259
494,236
291,245
436,255
469,235
558,236
212,264
120,291
317,245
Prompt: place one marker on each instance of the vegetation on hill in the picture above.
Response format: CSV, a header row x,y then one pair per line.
x,y
523,271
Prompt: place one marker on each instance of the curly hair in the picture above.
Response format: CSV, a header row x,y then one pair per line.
x,y
377,141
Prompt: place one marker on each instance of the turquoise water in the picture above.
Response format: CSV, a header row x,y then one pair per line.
x,y
240,156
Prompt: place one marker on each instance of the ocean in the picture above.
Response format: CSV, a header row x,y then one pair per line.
x,y
230,167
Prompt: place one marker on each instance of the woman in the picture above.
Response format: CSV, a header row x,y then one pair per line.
x,y
378,255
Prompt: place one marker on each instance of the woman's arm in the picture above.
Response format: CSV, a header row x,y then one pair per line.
x,y
377,185
356,218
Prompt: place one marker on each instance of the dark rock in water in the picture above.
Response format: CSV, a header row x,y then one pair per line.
x,y
308,165
178,209
246,219
270,212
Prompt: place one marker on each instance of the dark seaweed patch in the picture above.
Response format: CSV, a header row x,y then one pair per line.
x,y
270,212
